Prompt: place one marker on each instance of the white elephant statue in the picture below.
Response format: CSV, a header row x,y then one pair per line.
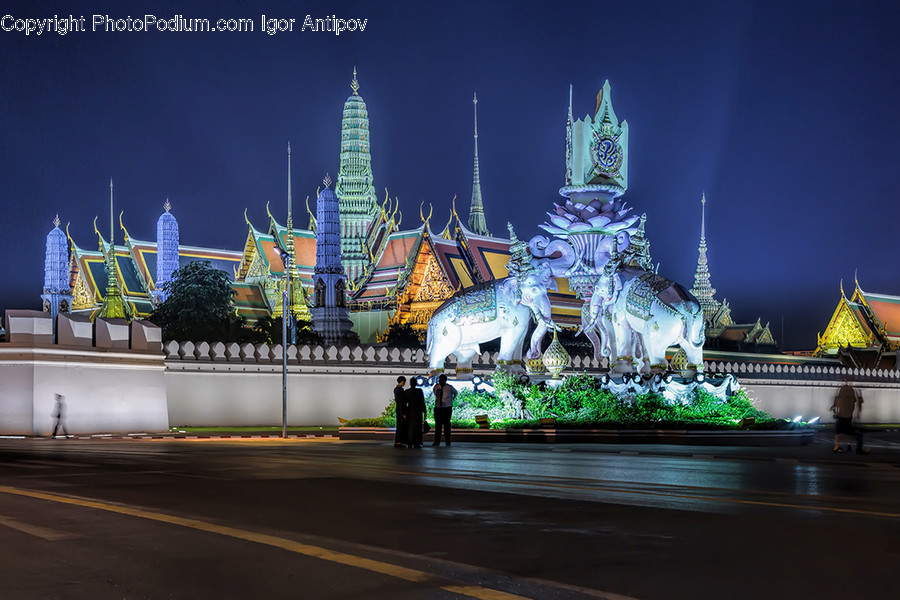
x,y
496,309
641,314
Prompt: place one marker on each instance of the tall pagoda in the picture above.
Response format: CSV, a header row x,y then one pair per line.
x,y
57,296
722,333
716,314
330,314
355,187
477,223
166,251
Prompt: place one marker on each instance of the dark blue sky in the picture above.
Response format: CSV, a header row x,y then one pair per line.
x,y
783,112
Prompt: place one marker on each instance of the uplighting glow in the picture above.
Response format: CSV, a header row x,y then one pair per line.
x,y
797,418
813,420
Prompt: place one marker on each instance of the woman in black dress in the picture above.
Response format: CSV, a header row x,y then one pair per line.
x,y
401,433
415,406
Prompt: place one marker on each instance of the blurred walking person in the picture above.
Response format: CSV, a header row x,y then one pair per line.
x,y
59,412
847,401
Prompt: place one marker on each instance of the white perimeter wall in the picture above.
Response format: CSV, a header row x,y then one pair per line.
x,y
881,402
105,391
111,390
252,397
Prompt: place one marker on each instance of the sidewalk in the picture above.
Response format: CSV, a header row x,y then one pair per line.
x,y
209,433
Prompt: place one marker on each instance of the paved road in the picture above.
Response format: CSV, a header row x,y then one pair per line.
x,y
320,518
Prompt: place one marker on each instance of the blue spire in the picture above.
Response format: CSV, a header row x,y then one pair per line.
x,y
166,250
328,231
57,296
330,315
56,261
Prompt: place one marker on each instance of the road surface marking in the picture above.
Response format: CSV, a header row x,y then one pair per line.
x,y
42,532
853,511
360,562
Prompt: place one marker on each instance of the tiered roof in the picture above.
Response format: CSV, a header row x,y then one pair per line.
x,y
866,320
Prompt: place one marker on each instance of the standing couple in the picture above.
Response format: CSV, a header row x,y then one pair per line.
x,y
411,412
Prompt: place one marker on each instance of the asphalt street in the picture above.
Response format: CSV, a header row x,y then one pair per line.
x,y
320,518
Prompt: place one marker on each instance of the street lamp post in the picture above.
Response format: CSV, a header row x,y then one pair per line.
x,y
285,312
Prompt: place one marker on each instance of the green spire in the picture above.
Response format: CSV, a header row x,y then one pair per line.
x,y
355,187
113,306
477,223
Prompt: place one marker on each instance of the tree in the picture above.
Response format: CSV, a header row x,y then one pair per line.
x,y
199,306
402,336
268,329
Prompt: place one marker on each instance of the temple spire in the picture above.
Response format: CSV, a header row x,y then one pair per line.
x,y
477,223
113,305
298,305
702,289
355,187
569,141
111,230
289,180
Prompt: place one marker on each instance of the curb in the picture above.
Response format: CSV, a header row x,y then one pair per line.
x,y
181,436
603,436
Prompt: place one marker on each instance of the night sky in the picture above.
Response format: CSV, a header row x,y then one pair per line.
x,y
784,113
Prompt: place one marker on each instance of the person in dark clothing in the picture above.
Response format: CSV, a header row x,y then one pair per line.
x,y
444,393
415,407
847,401
401,433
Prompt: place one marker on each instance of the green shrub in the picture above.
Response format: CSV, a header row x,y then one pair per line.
x,y
367,422
389,414
516,424
578,402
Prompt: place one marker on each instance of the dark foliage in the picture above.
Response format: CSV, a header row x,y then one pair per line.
x,y
199,307
402,336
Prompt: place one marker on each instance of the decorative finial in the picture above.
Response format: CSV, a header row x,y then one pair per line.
x,y
512,233
167,206
327,181
290,203
703,217
475,102
112,235
354,84
56,220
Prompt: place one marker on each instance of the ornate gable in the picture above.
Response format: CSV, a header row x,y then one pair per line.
x,y
425,287
844,329
249,256
82,298
765,337
432,283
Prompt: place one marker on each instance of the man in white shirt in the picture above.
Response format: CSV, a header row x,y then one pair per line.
x,y
444,393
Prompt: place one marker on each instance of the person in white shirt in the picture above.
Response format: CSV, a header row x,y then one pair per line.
x,y
444,393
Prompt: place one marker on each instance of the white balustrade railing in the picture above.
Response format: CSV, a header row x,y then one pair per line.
x,y
265,354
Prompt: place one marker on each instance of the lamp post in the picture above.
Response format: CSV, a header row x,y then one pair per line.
x,y
285,312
